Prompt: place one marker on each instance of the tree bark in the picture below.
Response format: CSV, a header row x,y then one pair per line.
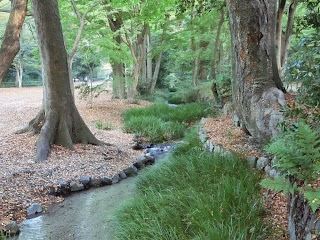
x,y
11,44
257,100
59,120
138,59
203,62
303,224
280,13
213,73
115,24
287,38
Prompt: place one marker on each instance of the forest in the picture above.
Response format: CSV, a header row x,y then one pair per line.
x,y
222,96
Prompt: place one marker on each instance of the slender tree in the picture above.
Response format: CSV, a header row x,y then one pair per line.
x,y
257,100
59,121
11,41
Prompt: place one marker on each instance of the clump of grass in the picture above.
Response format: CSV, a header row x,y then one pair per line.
x,y
155,129
104,125
160,122
194,195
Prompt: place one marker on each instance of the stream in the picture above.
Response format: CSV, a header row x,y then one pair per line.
x,y
88,214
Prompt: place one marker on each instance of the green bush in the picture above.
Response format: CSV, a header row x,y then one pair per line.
x,y
176,99
194,195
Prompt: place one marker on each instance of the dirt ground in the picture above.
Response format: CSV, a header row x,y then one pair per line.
x,y
22,181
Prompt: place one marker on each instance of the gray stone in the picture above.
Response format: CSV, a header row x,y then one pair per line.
x,y
274,173
203,136
33,209
131,170
251,161
106,180
267,169
63,183
95,182
228,154
85,180
75,187
140,162
12,228
115,178
149,159
122,175
209,146
218,149
262,162
235,120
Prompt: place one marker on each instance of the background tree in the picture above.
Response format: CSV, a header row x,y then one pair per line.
x,y
11,43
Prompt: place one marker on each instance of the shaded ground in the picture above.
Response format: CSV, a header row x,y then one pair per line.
x,y
22,181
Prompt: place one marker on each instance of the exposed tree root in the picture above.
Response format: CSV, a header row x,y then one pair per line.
x,y
35,124
60,129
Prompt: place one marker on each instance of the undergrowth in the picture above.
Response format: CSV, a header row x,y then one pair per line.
x,y
160,122
194,195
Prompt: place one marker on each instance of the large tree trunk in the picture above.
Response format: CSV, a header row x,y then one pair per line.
x,y
213,73
11,44
62,123
257,99
303,224
115,23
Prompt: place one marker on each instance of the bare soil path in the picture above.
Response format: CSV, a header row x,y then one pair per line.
x,y
23,182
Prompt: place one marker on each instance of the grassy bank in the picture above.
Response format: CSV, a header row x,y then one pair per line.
x,y
194,195
160,122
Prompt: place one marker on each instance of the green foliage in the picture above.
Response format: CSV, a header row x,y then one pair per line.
x,y
303,68
173,204
176,99
278,184
104,125
161,122
297,154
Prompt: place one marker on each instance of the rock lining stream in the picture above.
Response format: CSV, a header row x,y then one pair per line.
x,y
87,214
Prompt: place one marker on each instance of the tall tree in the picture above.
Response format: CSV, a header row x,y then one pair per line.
x,y
257,100
213,73
11,41
60,121
115,23
283,39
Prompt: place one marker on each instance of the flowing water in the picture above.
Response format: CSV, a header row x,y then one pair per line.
x,y
85,215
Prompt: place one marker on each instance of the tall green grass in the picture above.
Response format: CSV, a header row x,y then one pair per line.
x,y
160,122
194,195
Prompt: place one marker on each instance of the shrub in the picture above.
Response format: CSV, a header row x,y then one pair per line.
x,y
175,99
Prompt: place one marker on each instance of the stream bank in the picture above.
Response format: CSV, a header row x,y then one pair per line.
x,y
87,214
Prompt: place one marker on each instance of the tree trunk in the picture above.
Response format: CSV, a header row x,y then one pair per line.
x,y
19,72
256,97
59,120
287,38
303,224
149,59
203,62
11,44
280,13
115,23
213,73
138,59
